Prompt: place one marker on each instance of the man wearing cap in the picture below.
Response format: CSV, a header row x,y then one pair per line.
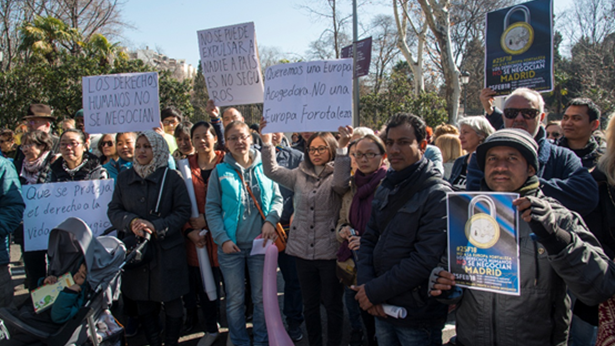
x,y
561,173
556,253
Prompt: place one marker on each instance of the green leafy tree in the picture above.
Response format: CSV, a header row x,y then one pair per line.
x,y
45,36
199,96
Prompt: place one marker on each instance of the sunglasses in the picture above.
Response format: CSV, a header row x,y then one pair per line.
x,y
527,113
107,143
553,134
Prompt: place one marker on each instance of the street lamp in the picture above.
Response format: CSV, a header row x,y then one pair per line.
x,y
465,79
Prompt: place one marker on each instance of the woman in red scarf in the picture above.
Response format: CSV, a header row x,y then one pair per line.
x,y
369,155
204,140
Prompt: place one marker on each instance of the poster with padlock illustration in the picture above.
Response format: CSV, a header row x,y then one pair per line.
x,y
483,241
519,47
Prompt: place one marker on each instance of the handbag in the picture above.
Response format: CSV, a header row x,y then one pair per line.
x,y
346,271
280,241
145,252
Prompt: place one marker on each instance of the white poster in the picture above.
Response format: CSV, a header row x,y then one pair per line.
x,y
126,102
308,96
47,205
230,63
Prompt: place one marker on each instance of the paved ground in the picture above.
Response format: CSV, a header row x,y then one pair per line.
x,y
192,338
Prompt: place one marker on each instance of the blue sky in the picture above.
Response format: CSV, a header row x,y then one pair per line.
x,y
171,26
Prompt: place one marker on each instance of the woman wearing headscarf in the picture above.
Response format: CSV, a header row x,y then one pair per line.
x,y
34,169
236,187
76,162
151,198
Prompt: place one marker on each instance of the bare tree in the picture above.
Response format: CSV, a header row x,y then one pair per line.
x,y
88,16
411,35
384,48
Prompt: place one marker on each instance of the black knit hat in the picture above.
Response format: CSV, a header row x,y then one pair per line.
x,y
515,138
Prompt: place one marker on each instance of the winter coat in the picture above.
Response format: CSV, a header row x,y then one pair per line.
x,y
541,314
590,154
68,303
230,210
317,201
561,176
200,192
11,206
395,262
44,173
289,158
166,277
92,170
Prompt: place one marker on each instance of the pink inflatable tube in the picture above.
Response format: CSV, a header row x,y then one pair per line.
x,y
273,319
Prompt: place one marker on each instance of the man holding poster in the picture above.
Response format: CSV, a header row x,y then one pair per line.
x,y
556,251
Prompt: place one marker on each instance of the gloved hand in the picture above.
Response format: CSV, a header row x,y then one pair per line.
x,y
541,218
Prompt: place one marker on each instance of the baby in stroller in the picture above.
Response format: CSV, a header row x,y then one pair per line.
x,y
94,264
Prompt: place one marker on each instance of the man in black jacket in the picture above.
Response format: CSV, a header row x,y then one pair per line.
x,y
404,239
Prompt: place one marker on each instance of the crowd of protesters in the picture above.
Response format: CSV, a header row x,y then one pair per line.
x,y
366,218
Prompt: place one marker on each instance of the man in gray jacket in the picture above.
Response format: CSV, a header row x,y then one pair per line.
x,y
556,251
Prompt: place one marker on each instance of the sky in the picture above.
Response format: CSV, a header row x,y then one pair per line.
x,y
170,26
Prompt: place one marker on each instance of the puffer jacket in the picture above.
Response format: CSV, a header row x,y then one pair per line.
x,y
317,201
541,314
395,262
11,206
91,170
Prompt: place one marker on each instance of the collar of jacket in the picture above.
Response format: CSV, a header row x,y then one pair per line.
x,y
155,177
593,145
311,172
255,155
89,166
544,149
406,175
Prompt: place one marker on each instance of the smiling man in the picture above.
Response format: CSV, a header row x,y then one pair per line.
x,y
556,253
561,174
580,120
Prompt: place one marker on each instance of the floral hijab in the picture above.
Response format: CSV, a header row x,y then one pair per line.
x,y
161,154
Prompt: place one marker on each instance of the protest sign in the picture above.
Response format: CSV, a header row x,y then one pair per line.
x,y
48,205
230,63
519,47
308,96
483,241
364,56
126,102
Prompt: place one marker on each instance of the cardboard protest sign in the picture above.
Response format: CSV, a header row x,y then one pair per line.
x,y
126,102
519,47
364,56
48,205
483,241
230,63
308,96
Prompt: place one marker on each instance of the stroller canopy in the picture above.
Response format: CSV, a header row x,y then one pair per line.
x,y
72,240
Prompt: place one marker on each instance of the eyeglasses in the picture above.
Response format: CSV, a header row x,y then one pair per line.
x,y
369,156
527,113
320,150
238,138
107,143
170,122
71,145
553,134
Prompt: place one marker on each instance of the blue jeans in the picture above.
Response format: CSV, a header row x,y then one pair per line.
x,y
353,308
391,335
233,270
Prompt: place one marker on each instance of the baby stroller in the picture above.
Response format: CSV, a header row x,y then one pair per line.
x,y
70,243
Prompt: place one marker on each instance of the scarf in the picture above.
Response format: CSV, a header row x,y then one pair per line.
x,y
72,172
160,148
31,169
361,206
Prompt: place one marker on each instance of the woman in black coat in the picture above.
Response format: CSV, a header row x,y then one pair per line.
x,y
76,162
150,198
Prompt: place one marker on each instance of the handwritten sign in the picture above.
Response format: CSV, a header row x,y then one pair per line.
x,y
230,63
519,48
308,96
126,102
483,241
47,205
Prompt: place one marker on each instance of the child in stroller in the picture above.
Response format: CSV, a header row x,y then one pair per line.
x,y
94,264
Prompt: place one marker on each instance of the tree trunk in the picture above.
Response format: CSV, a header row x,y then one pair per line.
x,y
416,65
437,17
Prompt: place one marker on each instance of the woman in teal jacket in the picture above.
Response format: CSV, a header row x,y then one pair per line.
x,y
234,222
